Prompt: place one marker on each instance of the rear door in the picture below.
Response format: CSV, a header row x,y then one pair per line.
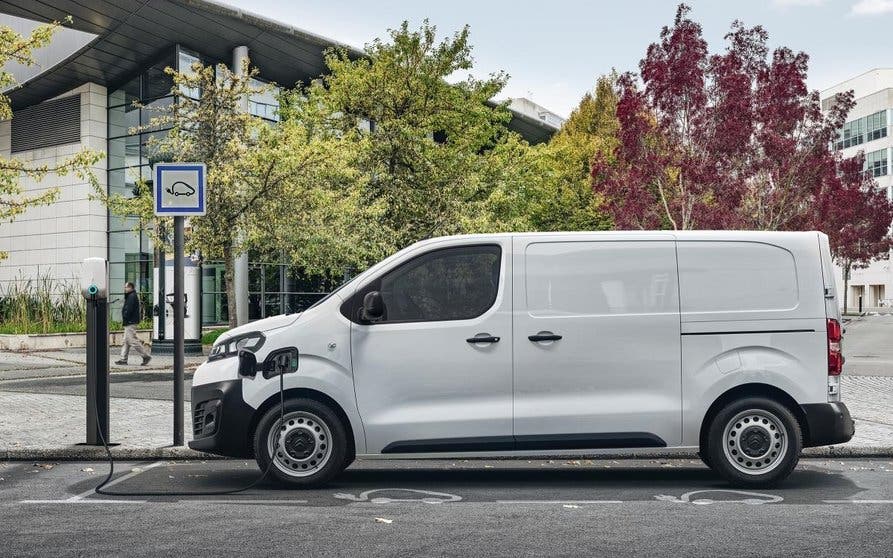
x,y
596,342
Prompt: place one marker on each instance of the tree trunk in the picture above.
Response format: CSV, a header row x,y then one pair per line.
x,y
229,272
846,283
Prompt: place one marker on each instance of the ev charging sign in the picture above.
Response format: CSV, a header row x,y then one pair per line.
x,y
179,189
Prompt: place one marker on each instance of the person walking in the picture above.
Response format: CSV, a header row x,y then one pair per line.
x,y
130,317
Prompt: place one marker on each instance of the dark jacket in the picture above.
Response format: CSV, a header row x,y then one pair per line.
x,y
130,313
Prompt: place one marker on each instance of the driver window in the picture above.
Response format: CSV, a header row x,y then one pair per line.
x,y
451,284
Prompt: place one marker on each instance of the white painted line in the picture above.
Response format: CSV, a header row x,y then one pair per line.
x,y
237,501
858,501
113,482
558,502
80,498
93,501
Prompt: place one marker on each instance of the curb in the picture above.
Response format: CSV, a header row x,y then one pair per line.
x,y
90,453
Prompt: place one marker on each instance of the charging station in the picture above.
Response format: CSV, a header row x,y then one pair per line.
x,y
94,288
163,320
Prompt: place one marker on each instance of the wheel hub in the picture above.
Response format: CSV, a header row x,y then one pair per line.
x,y
300,444
755,441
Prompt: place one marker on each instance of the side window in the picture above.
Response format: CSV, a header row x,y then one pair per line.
x,y
450,284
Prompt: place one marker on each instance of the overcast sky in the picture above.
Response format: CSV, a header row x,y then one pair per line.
x,y
554,50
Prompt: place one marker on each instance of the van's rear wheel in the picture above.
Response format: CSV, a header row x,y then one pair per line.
x,y
754,442
308,448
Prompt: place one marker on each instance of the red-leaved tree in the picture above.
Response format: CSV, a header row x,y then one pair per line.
x,y
736,141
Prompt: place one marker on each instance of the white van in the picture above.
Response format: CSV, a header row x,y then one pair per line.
x,y
544,343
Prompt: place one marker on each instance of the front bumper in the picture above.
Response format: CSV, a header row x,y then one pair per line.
x,y
221,419
828,423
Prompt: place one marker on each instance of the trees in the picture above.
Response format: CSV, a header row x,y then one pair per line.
x,y
571,203
422,142
13,200
734,140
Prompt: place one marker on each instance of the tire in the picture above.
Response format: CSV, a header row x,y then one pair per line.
x,y
702,453
770,448
315,439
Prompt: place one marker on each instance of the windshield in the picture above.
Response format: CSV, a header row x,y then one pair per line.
x,y
328,296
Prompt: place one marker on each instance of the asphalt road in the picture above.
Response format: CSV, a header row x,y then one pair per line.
x,y
450,508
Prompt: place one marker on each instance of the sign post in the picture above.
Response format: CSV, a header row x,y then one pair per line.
x,y
179,192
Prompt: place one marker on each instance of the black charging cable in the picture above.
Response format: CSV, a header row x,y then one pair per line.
x,y
100,490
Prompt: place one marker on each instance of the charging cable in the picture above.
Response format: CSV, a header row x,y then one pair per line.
x,y
101,490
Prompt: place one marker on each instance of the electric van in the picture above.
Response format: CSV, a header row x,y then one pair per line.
x,y
728,343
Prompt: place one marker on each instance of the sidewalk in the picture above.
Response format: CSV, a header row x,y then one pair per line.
x,y
35,424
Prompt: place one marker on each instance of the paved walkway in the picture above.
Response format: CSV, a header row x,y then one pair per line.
x,y
53,421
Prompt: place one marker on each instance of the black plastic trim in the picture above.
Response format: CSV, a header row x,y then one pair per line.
x,y
230,438
608,440
829,423
749,332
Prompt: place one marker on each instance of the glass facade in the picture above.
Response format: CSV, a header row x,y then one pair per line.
x,y
861,130
274,287
876,163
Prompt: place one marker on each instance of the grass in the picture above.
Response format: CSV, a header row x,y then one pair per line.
x,y
41,304
44,304
209,337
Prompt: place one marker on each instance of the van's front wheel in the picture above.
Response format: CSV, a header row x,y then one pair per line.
x,y
754,442
307,448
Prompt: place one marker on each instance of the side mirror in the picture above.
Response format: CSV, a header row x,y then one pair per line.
x,y
247,364
373,307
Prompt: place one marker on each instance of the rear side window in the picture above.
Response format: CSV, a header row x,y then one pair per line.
x,y
600,278
736,277
450,284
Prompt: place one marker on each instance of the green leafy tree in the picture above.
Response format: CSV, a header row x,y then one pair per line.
x,y
13,199
568,202
422,156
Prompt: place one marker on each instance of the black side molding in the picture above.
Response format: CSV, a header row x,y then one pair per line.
x,y
608,440
749,332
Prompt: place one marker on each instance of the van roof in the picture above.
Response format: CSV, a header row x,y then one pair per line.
x,y
687,235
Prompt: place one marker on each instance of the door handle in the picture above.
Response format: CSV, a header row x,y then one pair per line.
x,y
483,339
544,337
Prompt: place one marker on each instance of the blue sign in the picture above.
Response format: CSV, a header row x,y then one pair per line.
x,y
179,189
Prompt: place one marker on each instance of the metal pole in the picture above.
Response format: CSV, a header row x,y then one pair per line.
x,y
162,269
178,331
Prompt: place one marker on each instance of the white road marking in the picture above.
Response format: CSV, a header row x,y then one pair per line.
x,y
80,498
237,501
752,498
559,501
428,496
858,501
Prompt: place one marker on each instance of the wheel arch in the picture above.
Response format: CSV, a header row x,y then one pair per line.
x,y
307,393
753,389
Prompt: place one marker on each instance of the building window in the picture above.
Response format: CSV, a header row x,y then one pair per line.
x,y
876,126
860,130
876,163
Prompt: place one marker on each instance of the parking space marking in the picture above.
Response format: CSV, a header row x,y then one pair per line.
x,y
857,501
81,498
559,501
237,501
751,498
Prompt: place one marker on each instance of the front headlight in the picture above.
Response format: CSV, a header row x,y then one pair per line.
x,y
249,341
